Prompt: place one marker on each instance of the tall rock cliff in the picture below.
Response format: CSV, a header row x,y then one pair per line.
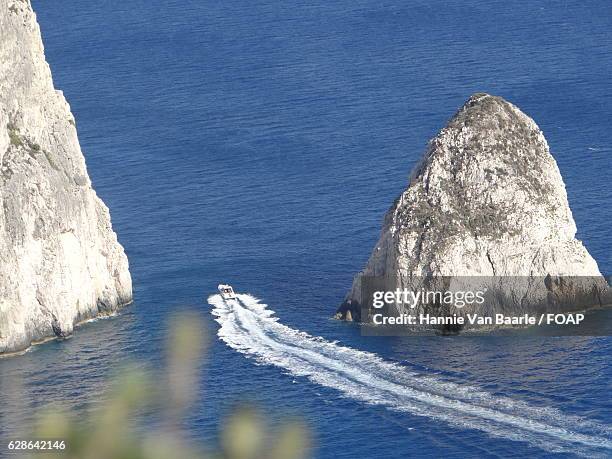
x,y
60,262
487,200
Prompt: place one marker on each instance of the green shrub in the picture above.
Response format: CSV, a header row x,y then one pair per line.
x,y
14,136
108,432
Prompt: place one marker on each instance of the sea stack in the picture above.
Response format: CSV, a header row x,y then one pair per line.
x,y
60,262
486,201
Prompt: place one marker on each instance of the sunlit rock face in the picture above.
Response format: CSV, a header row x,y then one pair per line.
x,y
487,199
60,262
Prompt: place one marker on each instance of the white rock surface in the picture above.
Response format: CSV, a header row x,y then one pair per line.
x,y
60,262
487,199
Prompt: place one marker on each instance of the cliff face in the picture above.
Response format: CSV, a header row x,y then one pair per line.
x,y
60,261
487,199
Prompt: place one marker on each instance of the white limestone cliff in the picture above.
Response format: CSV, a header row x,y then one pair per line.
x,y
487,200
60,262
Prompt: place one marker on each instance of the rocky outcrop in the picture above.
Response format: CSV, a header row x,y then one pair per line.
x,y
60,262
486,200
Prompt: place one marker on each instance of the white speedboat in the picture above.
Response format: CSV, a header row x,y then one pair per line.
x,y
227,292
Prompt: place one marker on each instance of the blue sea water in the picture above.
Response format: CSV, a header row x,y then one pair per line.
x,y
260,143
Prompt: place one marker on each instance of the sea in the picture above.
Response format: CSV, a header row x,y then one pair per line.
x,y
260,143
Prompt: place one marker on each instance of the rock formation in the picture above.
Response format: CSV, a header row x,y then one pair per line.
x,y
487,200
60,262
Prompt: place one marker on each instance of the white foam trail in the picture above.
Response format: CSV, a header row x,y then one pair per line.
x,y
249,327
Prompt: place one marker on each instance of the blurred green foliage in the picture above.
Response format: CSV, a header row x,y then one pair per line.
x,y
110,431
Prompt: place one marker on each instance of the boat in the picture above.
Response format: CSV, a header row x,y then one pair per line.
x,y
226,291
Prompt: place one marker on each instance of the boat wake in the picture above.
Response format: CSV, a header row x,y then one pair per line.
x,y
249,327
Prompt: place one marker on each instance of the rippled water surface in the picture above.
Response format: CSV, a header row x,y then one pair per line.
x,y
260,143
